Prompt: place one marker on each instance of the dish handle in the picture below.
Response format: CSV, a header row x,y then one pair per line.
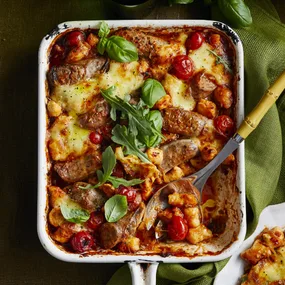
x,y
143,273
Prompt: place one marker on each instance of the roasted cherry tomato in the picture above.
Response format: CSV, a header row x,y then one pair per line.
x,y
74,38
95,220
182,67
118,170
224,125
194,41
82,241
177,228
95,137
129,192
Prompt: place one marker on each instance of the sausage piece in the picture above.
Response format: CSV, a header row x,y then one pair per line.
x,y
89,199
183,122
78,169
72,73
96,117
113,233
202,85
177,152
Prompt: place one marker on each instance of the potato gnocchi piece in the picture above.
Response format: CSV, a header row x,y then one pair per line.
x,y
198,234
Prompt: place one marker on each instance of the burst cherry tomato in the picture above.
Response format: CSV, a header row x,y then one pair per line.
x,y
82,241
177,228
182,67
129,192
74,38
194,41
95,137
224,125
95,220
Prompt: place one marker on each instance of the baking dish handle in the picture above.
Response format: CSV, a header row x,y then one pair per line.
x,y
143,273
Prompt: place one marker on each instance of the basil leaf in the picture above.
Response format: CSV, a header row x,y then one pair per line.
x,y
116,208
122,137
121,50
152,91
155,117
236,12
180,2
103,30
116,181
101,45
73,213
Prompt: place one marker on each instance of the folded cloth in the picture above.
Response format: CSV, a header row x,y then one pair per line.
x,y
264,47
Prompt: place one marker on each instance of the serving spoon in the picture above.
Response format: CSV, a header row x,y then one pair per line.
x,y
159,200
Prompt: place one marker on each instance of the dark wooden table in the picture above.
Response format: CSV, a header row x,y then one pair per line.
x,y
22,25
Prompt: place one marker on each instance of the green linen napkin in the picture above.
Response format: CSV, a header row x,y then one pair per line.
x,y
264,47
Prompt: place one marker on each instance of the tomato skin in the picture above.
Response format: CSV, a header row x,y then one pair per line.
x,y
194,41
95,138
96,219
82,241
224,125
129,192
182,67
177,228
72,39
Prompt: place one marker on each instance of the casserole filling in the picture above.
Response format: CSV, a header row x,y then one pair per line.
x,y
130,110
265,259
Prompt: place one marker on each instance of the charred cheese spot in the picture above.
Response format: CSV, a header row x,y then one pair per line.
x,y
179,92
66,138
79,97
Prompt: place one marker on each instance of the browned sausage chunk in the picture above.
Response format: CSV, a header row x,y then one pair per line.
x,y
202,85
89,199
183,122
78,169
73,73
113,233
177,152
95,118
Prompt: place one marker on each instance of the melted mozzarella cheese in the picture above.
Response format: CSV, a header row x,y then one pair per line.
x,y
204,60
179,92
80,97
66,138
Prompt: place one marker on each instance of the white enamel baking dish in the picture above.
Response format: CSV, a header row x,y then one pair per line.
x,y
139,276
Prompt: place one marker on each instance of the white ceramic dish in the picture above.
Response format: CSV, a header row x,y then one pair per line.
x,y
270,217
133,260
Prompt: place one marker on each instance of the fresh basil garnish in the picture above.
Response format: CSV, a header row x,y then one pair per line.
x,y
116,208
180,2
136,115
117,48
121,50
236,12
152,91
109,162
155,117
74,213
104,30
122,137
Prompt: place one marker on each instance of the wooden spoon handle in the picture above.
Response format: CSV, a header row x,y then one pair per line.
x,y
252,120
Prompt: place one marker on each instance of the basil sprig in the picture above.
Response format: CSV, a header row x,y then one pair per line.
x,y
108,163
73,213
117,48
152,91
116,208
236,12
